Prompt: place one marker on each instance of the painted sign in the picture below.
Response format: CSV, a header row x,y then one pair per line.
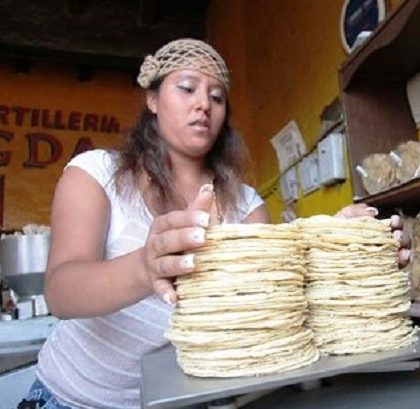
x,y
50,120
47,117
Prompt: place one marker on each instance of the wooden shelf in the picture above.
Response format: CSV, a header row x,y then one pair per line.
x,y
377,113
391,53
407,193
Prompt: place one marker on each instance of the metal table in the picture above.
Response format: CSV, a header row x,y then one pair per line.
x,y
164,385
19,337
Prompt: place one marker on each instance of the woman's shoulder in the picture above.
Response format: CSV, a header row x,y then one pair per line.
x,y
94,157
249,200
247,188
99,163
248,192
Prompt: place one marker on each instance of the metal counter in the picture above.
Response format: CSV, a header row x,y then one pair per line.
x,y
24,336
164,385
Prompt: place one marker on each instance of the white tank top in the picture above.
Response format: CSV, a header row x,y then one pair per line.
x,y
94,363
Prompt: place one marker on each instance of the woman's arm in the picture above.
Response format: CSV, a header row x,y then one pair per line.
x,y
80,283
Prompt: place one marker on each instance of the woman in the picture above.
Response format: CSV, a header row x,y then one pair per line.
x,y
123,224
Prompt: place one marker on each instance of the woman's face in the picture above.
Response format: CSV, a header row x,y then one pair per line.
x,y
190,107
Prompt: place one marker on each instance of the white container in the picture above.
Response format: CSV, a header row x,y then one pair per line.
x,y
413,94
23,261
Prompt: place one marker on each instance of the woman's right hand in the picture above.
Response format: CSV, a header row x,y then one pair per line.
x,y
171,237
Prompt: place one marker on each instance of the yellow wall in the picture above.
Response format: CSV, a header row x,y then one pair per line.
x,y
284,56
28,190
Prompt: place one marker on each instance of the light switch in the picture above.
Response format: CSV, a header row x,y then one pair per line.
x,y
289,185
309,173
332,168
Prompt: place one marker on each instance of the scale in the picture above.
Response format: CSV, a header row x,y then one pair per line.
x,y
23,261
164,385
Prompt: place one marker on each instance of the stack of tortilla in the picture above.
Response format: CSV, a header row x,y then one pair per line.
x,y
357,295
242,312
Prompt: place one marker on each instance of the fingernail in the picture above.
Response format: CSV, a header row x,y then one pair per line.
x,y
406,253
373,210
168,299
398,234
395,219
208,187
187,262
202,219
198,235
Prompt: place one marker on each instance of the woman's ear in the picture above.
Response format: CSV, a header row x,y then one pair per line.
x,y
151,101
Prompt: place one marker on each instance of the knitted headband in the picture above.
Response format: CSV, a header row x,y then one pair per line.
x,y
183,54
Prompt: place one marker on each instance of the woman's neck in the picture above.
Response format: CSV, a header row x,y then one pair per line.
x,y
189,176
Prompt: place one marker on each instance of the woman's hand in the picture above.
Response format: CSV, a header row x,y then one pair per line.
x,y
362,209
170,237
357,210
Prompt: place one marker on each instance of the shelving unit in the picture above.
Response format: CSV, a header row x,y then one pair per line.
x,y
407,193
373,92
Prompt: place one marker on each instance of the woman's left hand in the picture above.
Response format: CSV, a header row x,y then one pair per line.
x,y
362,209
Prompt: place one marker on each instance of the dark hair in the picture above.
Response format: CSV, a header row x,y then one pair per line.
x,y
146,152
